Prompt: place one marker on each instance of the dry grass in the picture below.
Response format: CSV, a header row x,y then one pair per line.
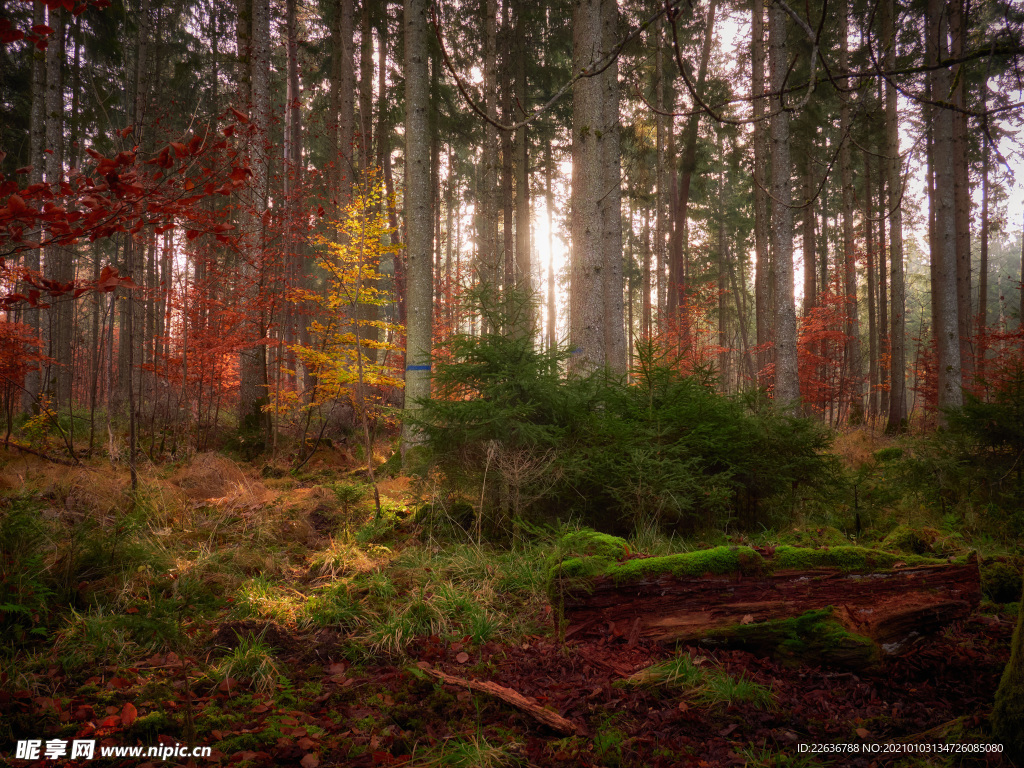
x,y
856,446
209,476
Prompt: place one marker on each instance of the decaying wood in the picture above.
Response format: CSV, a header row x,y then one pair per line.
x,y
546,716
892,608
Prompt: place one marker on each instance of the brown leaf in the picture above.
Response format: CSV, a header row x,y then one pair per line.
x,y
748,619
129,714
306,743
310,761
462,658
864,733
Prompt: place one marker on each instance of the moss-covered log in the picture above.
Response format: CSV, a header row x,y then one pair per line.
x,y
844,606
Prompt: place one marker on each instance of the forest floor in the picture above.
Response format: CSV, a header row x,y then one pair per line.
x,y
277,621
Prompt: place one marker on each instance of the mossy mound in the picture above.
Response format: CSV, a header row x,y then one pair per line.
x,y
717,561
1001,582
814,637
588,554
1008,713
922,541
847,558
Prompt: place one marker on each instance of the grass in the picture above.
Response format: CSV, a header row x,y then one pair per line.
x,y
704,682
471,752
252,660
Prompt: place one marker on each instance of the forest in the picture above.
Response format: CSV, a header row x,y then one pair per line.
x,y
502,383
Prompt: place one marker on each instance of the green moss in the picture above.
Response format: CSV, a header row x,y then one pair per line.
x,y
844,558
1000,581
814,637
1008,712
592,544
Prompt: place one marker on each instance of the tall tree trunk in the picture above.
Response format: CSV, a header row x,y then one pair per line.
x,y
961,191
490,153
762,265
366,89
524,280
611,200
57,264
787,379
945,289
663,127
897,347
983,255
872,280
507,187
417,211
253,360
852,346
37,158
809,240
680,238
550,206
343,87
595,305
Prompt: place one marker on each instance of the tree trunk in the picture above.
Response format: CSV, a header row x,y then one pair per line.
x,y
524,281
676,267
983,255
366,71
852,346
595,306
419,306
872,279
961,191
765,600
37,158
809,244
762,265
787,380
490,154
662,129
611,200
252,393
947,332
343,87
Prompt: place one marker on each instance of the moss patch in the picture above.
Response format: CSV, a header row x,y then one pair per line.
x,y
814,637
845,558
922,541
1000,582
1008,712
718,561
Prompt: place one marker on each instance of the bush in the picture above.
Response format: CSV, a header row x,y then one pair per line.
x,y
664,450
977,461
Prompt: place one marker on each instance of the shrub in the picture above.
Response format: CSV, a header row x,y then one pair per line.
x,y
506,426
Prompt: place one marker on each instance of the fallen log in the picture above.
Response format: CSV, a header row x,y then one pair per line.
x,y
840,606
509,696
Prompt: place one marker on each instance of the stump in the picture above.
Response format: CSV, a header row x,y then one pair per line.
x,y
840,606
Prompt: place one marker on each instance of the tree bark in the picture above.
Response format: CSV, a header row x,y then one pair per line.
x,y
680,238
962,192
762,265
419,308
897,326
489,256
343,109
595,306
945,254
787,380
37,145
852,347
885,612
253,359
366,71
